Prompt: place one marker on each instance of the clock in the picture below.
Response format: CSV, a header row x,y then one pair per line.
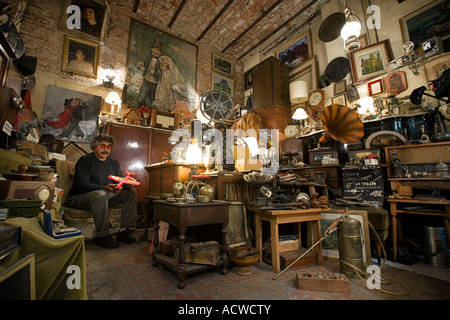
x,y
314,104
132,116
291,131
316,98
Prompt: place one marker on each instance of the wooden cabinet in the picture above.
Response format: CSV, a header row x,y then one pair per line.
x,y
136,147
422,157
161,177
271,84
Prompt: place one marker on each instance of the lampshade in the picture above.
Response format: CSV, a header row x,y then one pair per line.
x,y
352,27
298,91
182,107
300,114
113,98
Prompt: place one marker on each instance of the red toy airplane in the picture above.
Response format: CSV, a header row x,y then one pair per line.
x,y
128,179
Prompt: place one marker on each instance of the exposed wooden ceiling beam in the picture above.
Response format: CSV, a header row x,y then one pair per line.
x,y
225,7
280,27
252,25
136,5
175,16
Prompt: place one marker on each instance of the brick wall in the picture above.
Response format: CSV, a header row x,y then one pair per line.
x,y
44,40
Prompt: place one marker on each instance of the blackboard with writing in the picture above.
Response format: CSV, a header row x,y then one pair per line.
x,y
365,182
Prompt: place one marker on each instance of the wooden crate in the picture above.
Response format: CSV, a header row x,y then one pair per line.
x,y
288,257
318,281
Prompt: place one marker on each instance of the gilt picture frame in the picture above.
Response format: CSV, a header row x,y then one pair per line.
x,y
222,65
330,245
100,10
80,56
297,51
428,19
178,67
222,83
371,61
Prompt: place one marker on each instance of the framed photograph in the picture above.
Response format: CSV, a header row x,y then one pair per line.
x,y
296,52
395,82
70,115
248,79
330,245
222,83
429,19
222,65
375,87
147,80
435,67
340,87
341,99
80,57
307,72
352,93
371,61
94,16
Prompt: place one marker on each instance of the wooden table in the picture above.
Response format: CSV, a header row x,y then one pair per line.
x,y
184,215
394,208
277,217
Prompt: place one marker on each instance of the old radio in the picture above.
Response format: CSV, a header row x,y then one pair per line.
x,y
34,190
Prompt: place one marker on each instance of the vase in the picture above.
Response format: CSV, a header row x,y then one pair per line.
x,y
146,119
178,188
208,190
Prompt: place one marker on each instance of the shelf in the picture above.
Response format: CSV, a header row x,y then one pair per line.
x,y
419,179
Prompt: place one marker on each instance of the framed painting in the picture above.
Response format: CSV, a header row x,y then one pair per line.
x,y
222,83
88,19
70,115
435,67
426,22
80,57
340,87
375,87
340,99
248,79
157,61
330,245
296,52
371,61
307,72
222,65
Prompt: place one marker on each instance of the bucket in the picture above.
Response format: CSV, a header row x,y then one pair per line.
x,y
435,246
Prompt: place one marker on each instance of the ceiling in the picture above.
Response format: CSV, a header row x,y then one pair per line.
x,y
235,28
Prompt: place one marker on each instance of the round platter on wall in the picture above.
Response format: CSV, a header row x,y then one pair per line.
x,y
330,29
337,69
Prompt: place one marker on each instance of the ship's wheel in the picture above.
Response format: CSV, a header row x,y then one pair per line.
x,y
216,106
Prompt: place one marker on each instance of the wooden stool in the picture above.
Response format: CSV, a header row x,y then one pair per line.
x,y
277,217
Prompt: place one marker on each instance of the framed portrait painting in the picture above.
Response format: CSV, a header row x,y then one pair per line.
x,y
88,19
161,69
222,65
222,83
426,22
80,57
296,52
70,115
371,61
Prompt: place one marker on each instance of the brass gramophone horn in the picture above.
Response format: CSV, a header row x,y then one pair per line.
x,y
341,124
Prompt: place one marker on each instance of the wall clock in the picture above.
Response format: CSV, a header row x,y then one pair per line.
x,y
291,131
132,116
314,104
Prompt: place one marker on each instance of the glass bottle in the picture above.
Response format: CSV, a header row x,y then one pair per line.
x,y
396,166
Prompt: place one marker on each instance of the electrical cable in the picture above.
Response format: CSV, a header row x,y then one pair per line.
x,y
361,272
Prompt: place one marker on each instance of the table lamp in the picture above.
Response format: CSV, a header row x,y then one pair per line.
x,y
182,111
